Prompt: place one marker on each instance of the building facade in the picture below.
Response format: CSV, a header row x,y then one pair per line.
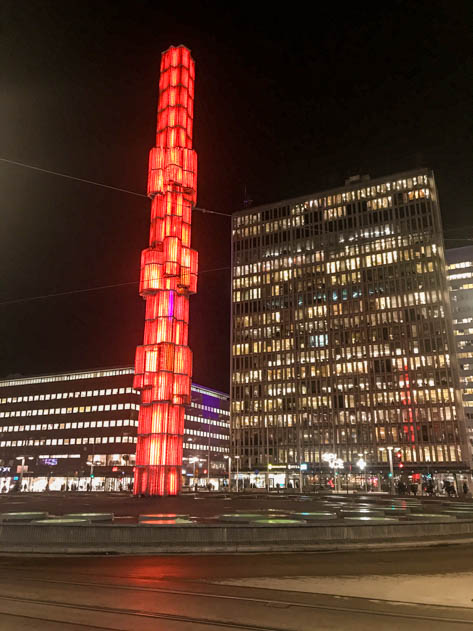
x,y
342,335
460,278
79,430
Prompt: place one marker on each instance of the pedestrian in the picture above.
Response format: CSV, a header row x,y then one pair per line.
x,y
414,489
465,488
4,488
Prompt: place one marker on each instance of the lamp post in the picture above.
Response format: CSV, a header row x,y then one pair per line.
x,y
302,467
361,464
22,458
91,476
237,458
193,460
391,471
229,458
208,455
334,463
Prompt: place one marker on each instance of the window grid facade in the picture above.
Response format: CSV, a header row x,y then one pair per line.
x,y
84,417
460,278
341,329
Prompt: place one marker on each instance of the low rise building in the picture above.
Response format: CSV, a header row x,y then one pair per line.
x,y
77,431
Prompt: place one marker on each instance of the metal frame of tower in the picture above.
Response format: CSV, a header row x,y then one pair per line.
x,y
163,365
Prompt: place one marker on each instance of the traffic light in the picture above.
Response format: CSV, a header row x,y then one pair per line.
x,y
399,459
92,475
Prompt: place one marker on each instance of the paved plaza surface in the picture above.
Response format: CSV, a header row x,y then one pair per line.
x,y
127,507
425,590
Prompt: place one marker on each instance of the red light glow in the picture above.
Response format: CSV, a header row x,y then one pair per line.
x,y
163,365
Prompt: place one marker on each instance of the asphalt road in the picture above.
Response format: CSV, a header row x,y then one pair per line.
x,y
212,593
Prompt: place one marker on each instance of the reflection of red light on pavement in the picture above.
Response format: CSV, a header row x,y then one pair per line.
x,y
163,365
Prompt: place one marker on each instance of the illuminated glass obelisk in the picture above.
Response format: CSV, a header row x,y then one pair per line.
x,y
163,365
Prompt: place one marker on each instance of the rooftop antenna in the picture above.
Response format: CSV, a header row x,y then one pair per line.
x,y
246,200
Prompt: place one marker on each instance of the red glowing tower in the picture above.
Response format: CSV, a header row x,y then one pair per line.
x,y
163,365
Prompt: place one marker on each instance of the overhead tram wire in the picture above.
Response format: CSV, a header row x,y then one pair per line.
x,y
90,289
94,183
447,228
114,188
137,194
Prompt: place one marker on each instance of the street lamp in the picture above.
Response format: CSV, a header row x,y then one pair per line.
x,y
302,467
334,463
229,458
193,460
22,458
237,458
391,472
208,455
361,464
91,475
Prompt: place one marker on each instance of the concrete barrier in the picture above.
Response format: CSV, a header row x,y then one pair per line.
x,y
132,538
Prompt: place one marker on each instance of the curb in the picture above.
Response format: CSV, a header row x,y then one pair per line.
x,y
408,544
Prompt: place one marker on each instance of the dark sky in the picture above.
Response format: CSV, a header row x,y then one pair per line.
x,y
288,101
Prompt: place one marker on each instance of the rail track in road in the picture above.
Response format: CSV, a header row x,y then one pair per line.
x,y
69,613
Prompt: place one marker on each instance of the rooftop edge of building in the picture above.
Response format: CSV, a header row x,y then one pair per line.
x,y
97,374
457,254
361,182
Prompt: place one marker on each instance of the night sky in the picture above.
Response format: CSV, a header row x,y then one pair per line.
x,y
288,102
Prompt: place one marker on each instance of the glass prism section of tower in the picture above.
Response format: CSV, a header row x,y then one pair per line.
x,y
163,364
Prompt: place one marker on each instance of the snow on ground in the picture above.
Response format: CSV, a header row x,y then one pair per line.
x,y
453,589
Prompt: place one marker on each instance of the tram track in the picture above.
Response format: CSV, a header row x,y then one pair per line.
x,y
251,599
267,602
129,613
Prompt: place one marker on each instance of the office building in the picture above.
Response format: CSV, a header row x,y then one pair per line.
x,y
65,428
460,278
342,335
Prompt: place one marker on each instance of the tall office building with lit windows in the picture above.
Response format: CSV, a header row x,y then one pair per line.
x,y
342,334
460,278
